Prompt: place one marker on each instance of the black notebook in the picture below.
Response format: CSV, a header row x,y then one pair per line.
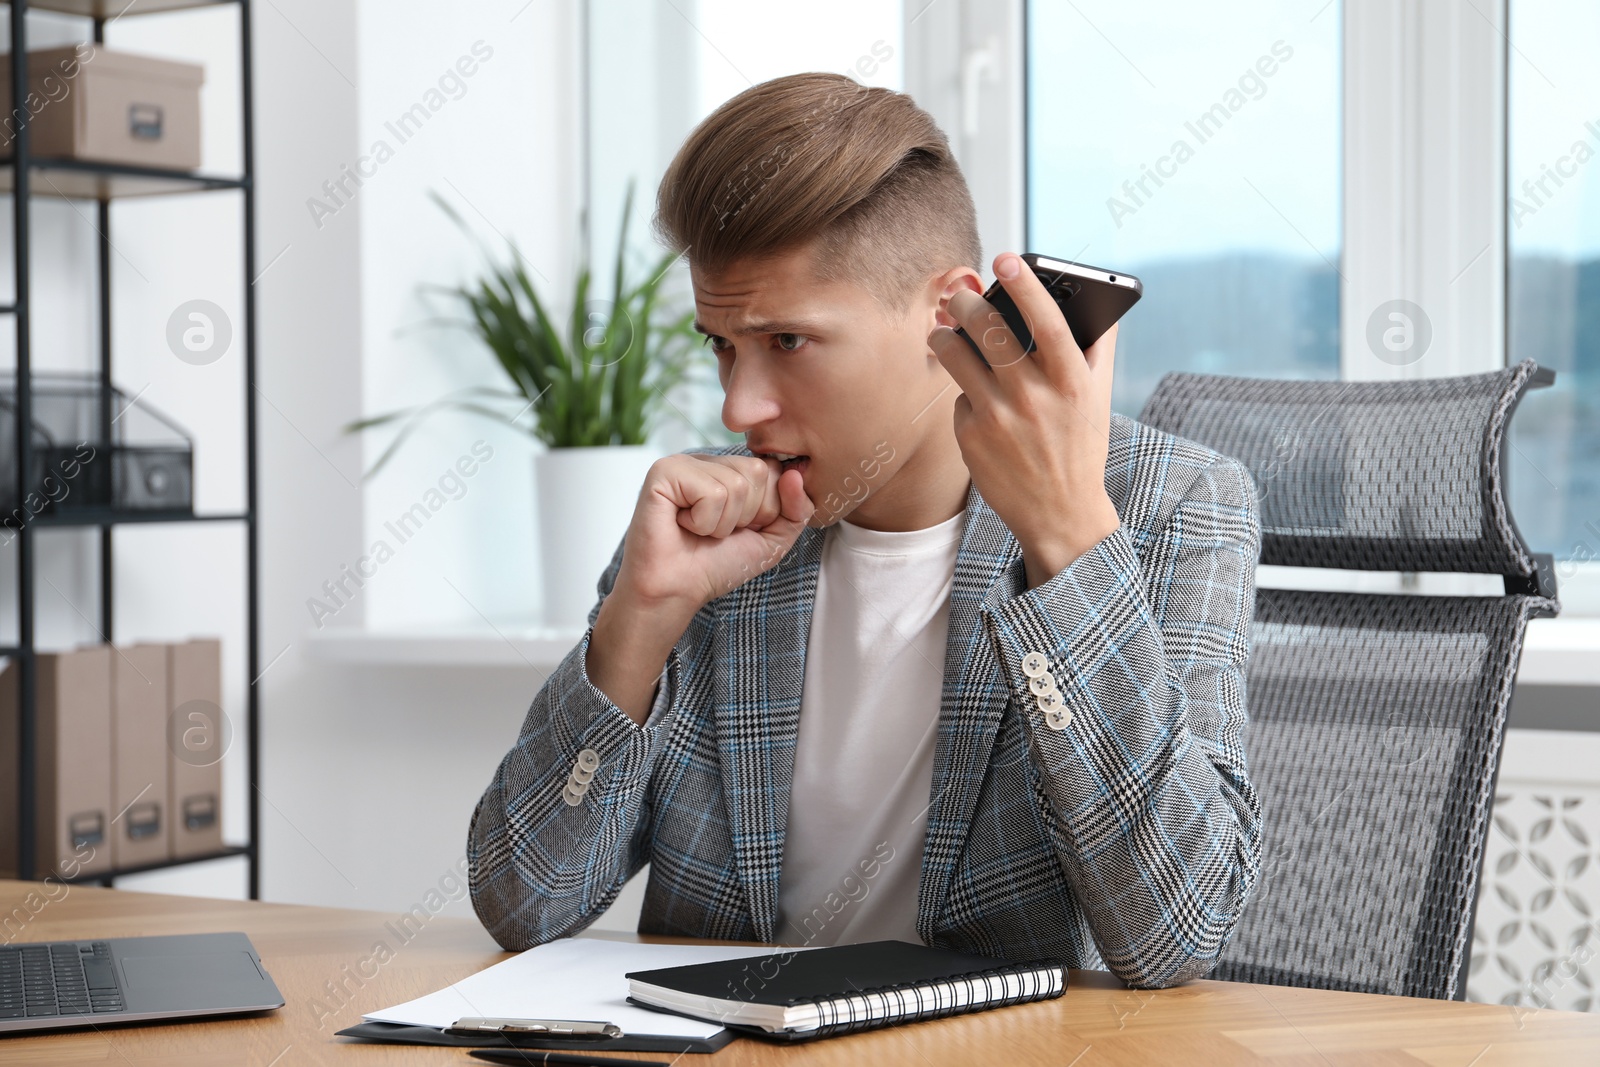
x,y
800,994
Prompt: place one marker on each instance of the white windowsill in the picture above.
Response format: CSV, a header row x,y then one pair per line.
x,y
506,645
1555,651
1560,651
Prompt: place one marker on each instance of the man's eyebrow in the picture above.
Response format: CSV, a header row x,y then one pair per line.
x,y
780,326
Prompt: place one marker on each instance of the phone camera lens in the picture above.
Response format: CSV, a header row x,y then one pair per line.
x,y
1113,277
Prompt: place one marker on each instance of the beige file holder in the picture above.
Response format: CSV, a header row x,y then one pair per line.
x,y
73,763
197,738
141,832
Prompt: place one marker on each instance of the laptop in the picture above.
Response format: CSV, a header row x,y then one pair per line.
x,y
51,985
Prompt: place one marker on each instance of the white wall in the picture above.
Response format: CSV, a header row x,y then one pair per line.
x,y
309,383
501,150
370,775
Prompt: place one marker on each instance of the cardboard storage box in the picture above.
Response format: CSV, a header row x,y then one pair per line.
x,y
90,103
73,764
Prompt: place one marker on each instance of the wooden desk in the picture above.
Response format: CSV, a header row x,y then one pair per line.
x,y
328,965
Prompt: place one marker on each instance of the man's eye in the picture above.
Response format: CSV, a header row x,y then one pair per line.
x,y
714,343
800,341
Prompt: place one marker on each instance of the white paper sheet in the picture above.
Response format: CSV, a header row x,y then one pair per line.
x,y
573,978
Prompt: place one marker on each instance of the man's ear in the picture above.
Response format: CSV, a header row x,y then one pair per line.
x,y
948,284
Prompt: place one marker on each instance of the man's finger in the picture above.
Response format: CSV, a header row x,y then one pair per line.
x,y
757,474
1056,351
752,467
960,413
761,476
712,498
1001,348
969,372
1102,353
765,506
797,509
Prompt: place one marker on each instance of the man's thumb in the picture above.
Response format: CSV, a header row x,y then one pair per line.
x,y
792,495
796,510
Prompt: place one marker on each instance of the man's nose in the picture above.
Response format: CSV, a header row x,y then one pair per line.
x,y
749,399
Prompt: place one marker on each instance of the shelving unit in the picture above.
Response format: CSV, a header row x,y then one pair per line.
x,y
73,179
24,177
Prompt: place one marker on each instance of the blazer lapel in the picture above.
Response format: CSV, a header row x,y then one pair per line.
x,y
988,570
760,653
759,649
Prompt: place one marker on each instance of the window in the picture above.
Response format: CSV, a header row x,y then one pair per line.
x,y
1196,146
743,44
1553,205
656,70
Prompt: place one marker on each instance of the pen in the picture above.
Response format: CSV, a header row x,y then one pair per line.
x,y
589,1029
520,1057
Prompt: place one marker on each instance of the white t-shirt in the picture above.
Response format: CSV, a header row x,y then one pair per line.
x,y
869,716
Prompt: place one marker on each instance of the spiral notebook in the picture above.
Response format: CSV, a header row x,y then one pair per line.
x,y
797,996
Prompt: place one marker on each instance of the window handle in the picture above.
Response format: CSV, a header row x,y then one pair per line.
x,y
977,66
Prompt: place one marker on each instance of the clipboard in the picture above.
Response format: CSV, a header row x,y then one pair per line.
x,y
402,1034
582,978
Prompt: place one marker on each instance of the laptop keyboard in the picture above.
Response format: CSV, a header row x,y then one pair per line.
x,y
61,978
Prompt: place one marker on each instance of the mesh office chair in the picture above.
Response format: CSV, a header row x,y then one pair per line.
x,y
1375,719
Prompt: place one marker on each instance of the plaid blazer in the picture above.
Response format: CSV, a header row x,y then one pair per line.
x,y
1129,839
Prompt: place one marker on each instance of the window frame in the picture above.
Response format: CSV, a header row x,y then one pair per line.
x,y
1577,582
1425,170
1424,162
966,65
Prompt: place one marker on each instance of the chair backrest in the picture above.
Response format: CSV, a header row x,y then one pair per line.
x,y
1376,720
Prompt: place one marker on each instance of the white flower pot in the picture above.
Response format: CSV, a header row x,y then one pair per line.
x,y
585,499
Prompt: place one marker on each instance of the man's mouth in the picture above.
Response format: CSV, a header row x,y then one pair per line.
x,y
788,462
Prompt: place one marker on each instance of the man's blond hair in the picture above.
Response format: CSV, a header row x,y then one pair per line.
x,y
861,169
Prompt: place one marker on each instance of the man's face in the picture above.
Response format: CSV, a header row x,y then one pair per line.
x,y
820,370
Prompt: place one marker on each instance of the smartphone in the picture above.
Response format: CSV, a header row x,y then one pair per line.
x,y
1092,299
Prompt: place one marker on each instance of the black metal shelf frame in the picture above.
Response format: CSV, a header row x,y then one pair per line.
x,y
109,517
106,879
79,179
102,183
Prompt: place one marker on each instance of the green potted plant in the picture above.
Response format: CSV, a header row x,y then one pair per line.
x,y
591,393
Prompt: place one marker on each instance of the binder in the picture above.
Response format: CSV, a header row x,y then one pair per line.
x,y
72,760
800,996
140,826
197,738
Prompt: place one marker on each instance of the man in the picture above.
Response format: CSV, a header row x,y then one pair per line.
x,y
943,653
